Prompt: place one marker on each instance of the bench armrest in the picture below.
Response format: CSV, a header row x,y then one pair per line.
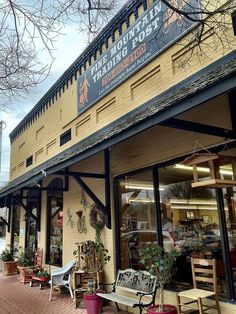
x,y
143,294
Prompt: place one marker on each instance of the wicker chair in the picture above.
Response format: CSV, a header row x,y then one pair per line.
x,y
61,277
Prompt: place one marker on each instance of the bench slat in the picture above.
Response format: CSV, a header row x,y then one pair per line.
x,y
120,299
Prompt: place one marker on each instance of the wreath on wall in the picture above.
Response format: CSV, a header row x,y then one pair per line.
x,y
96,218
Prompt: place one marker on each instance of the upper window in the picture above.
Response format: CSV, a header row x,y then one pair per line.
x,y
65,137
29,161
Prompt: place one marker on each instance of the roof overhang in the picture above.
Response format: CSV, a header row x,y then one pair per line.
x,y
214,80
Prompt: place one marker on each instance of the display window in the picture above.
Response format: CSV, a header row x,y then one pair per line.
x,y
178,217
55,223
15,235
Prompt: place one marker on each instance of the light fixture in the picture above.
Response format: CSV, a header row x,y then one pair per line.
x,y
192,207
134,186
141,200
202,169
192,201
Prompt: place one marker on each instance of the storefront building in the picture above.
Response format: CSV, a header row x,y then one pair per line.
x,y
114,131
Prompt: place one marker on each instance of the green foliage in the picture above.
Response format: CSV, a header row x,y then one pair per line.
x,y
89,291
160,264
26,258
42,273
7,255
100,249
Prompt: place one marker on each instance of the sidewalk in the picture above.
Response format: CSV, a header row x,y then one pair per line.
x,y
18,298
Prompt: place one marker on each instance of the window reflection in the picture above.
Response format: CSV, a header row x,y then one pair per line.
x,y
55,223
189,220
16,228
137,217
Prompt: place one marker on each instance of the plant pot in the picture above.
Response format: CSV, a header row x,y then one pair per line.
x,y
168,309
93,303
25,274
10,268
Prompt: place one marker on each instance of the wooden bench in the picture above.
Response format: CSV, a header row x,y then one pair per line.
x,y
132,288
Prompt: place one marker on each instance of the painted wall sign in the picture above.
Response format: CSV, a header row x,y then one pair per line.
x,y
152,32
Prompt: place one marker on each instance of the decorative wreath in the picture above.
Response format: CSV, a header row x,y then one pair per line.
x,y
96,218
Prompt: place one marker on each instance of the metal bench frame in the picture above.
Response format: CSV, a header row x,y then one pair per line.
x,y
133,288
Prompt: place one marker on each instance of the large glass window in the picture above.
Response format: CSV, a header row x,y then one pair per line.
x,y
15,234
137,217
189,217
230,212
55,223
31,223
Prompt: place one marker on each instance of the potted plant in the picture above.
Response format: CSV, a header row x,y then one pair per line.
x,y
25,264
92,301
9,264
160,264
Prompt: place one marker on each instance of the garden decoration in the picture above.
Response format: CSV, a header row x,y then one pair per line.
x,y
83,201
96,218
81,224
69,216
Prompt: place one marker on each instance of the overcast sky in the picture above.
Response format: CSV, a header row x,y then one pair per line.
x,y
68,48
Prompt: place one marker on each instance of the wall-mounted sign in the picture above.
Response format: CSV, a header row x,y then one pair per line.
x,y
151,33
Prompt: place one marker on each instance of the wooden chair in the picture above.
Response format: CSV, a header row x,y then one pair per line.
x,y
203,272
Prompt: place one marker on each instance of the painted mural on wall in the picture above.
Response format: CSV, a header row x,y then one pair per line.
x,y
151,33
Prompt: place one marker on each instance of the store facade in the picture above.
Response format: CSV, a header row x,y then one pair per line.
x,y
114,131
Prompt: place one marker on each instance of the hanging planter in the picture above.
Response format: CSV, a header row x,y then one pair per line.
x,y
211,164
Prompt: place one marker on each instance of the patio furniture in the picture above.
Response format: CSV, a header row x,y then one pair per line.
x,y
203,272
62,277
41,280
132,288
